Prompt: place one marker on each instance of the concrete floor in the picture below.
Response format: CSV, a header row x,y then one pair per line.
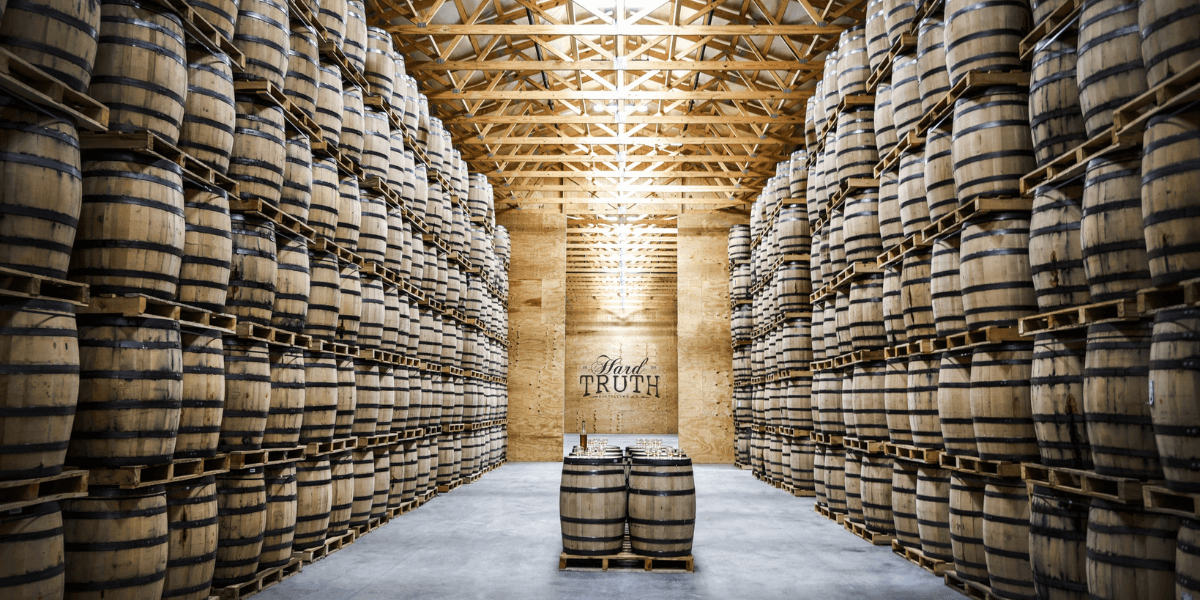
x,y
498,538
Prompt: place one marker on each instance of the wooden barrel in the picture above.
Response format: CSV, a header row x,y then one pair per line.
x,y
803,456
258,157
1055,253
203,399
592,505
208,111
302,79
984,36
192,545
403,401
332,17
295,197
292,283
446,464
350,314
330,103
818,476
314,498
370,328
876,483
861,226
940,193
323,209
853,68
130,390
342,498
247,394
933,78
1169,171
854,507
895,401
885,118
1112,239
900,14
906,93
56,36
364,487
349,213
397,464
1109,65
254,270
1006,539
1187,559
893,309
1000,402
798,392
954,404
286,413
1130,552
904,504
122,250
774,459
207,249
891,230
836,242
1173,377
866,313
387,400
1056,391
991,145
242,520
39,152
1168,38
857,154
828,389
116,543
933,512
1055,117
377,144
383,483
997,287
867,401
923,401
355,43
325,298
281,483
373,227
914,207
842,322
35,534
40,370
877,40
350,140
916,301
261,33
1116,400
140,72
945,294
1057,539
835,480
366,407
966,528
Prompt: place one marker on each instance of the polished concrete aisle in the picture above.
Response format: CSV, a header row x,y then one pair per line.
x,y
498,539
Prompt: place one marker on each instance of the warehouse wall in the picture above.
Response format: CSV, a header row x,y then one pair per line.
x,y
537,334
601,344
705,353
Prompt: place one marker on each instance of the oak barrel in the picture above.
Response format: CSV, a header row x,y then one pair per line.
x,y
1006,539
207,247
984,36
254,269
592,505
247,394
966,528
997,287
364,487
904,504
1116,400
1055,117
242,520
258,157
1170,172
192,546
1000,403
282,490
1112,239
342,495
203,401
1109,65
116,543
954,404
991,146
1174,376
32,539
56,36
261,33
1130,552
1056,394
314,499
1057,540
286,413
933,512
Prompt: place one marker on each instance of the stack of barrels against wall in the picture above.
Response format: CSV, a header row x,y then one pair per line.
x,y
641,499
359,257
952,412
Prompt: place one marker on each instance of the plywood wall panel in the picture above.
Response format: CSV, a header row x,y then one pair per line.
x,y
705,355
537,333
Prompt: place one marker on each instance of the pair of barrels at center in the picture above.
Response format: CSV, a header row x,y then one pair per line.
x,y
658,503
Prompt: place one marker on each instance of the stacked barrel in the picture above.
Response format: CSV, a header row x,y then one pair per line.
x,y
295,282
640,501
769,290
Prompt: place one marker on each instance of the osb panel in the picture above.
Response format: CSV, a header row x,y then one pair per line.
x,y
704,353
537,333
626,403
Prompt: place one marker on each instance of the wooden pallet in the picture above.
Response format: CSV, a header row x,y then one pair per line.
x,y
851,273
1151,300
1131,119
330,546
891,160
977,466
824,438
872,537
1063,18
625,561
913,243
262,580
199,30
272,335
1122,490
1073,163
257,208
428,495
453,485
1079,316
132,477
834,516
969,589
328,347
433,430
147,143
954,222
867,446
141,305
376,441
803,493
39,490
19,284
249,459
404,508
917,557
907,41
18,77
967,340
1162,499
974,80
330,447
372,525
929,456
848,360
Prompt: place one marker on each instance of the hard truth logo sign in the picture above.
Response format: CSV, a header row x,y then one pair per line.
x,y
608,376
